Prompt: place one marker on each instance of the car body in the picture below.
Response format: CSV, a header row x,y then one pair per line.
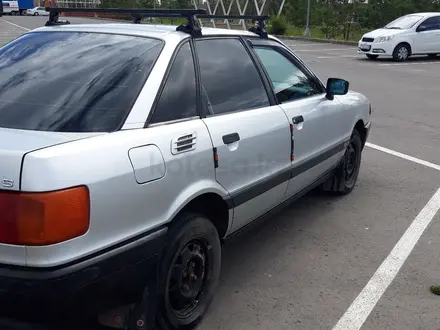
x,y
412,34
16,7
133,137
37,11
10,7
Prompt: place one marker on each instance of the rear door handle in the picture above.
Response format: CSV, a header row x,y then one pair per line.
x,y
297,120
231,138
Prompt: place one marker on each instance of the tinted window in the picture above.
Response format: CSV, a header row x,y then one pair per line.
x,y
72,82
178,99
288,81
432,23
229,77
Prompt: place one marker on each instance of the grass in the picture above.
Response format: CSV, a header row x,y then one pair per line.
x,y
316,32
435,289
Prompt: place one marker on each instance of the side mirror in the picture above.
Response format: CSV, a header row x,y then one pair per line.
x,y
336,86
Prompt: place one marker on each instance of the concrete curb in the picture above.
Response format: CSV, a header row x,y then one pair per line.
x,y
328,41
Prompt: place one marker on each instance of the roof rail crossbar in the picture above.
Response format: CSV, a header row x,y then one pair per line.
x,y
192,27
260,25
54,19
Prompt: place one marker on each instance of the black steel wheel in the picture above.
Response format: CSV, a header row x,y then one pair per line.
x,y
346,174
189,272
351,164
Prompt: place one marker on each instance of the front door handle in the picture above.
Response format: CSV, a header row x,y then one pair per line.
x,y
297,120
231,138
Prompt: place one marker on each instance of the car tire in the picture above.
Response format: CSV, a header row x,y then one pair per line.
x,y
346,174
372,57
36,14
432,55
189,272
401,52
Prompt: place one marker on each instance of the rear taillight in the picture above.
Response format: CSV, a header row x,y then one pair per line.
x,y
44,218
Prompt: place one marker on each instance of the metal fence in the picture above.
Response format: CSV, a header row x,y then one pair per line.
x,y
213,7
78,3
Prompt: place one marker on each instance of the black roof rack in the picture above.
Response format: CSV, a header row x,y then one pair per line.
x,y
259,28
192,27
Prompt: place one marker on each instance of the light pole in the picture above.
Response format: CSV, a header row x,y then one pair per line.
x,y
307,31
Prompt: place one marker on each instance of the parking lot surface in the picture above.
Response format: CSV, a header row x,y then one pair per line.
x,y
363,261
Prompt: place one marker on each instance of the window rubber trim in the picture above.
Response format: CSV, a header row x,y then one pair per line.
x,y
198,79
261,71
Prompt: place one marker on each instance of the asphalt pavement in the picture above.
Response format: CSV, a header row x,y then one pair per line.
x,y
363,261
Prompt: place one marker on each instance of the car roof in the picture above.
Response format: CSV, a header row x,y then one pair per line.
x,y
144,30
426,14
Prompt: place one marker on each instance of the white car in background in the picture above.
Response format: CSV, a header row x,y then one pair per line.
x,y
413,34
37,11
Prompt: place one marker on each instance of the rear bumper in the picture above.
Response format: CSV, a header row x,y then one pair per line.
x,y
58,298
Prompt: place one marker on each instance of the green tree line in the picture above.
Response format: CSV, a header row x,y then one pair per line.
x,y
344,18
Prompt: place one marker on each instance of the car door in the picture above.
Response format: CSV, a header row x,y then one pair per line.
x,y
174,158
427,39
319,125
249,132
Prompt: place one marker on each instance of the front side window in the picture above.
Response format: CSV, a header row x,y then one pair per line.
x,y
432,23
73,81
288,81
229,77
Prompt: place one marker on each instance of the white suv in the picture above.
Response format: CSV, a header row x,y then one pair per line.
x,y
413,34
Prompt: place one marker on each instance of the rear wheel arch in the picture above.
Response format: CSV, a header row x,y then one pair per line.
x,y
210,205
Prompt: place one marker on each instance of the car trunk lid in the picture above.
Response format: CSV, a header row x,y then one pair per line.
x,y
15,144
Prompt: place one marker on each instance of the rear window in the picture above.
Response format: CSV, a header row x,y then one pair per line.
x,y
73,81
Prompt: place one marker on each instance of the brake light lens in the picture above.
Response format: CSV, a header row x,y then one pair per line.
x,y
44,218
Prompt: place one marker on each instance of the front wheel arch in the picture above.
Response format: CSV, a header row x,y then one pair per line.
x,y
396,50
339,183
360,127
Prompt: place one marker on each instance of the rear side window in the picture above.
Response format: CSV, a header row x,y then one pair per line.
x,y
72,81
179,96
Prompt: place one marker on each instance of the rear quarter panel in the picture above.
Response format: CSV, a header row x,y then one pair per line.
x,y
121,208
